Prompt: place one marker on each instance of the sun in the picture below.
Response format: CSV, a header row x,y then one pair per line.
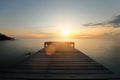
x,y
65,33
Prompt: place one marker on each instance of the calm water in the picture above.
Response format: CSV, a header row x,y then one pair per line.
x,y
104,51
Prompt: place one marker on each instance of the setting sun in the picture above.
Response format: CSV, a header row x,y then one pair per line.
x,y
65,33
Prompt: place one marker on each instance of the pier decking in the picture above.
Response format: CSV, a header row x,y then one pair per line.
x,y
59,60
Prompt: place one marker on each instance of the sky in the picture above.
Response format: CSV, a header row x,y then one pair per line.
x,y
54,18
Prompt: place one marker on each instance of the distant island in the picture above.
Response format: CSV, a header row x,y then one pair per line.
x,y
4,37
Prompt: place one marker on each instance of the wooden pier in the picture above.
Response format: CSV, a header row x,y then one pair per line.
x,y
58,60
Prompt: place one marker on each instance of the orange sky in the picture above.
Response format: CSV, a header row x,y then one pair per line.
x,y
86,32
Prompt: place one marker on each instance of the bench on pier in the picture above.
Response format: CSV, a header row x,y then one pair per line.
x,y
70,44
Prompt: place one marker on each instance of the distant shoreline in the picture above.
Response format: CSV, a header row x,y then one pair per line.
x,y
4,37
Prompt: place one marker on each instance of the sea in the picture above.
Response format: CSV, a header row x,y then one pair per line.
x,y
104,51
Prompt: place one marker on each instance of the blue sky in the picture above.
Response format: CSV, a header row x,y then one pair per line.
x,y
23,18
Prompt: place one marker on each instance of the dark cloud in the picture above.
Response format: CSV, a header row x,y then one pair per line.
x,y
115,22
92,24
88,24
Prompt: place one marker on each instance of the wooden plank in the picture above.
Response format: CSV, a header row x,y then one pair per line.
x,y
60,65
77,68
62,62
60,71
79,71
72,60
62,68
60,76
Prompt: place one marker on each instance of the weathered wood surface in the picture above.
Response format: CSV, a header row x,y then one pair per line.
x,y
59,62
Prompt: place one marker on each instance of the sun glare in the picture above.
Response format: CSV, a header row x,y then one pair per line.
x,y
65,33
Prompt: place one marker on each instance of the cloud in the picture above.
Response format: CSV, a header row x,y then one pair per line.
x,y
115,22
92,24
